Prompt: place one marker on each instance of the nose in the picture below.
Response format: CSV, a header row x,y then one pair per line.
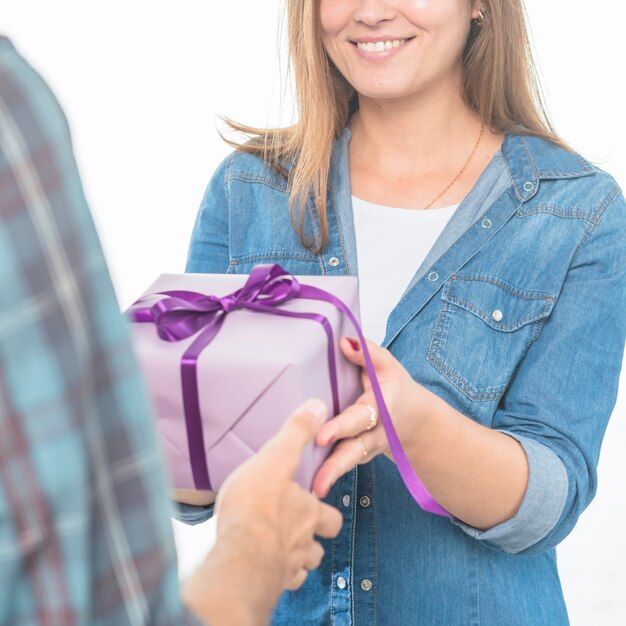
x,y
372,12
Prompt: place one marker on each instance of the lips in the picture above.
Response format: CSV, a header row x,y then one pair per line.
x,y
381,47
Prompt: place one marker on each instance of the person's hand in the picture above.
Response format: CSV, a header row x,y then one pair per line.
x,y
266,527
358,445
261,503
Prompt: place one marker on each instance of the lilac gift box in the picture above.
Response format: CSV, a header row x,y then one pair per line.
x,y
256,369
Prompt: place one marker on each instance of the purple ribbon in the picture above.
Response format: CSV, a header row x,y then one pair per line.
x,y
185,313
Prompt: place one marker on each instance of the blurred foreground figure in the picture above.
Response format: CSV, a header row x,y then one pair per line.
x,y
85,530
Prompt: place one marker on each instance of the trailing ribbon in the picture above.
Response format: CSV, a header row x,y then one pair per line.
x,y
185,313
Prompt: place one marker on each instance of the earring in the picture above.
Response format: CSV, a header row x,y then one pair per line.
x,y
482,16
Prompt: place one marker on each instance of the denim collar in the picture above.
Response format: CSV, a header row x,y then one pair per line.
x,y
532,159
527,160
511,178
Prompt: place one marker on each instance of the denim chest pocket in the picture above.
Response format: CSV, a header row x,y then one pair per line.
x,y
484,328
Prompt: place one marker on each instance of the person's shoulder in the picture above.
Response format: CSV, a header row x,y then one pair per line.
x,y
32,106
248,163
573,180
255,167
554,161
245,166
8,53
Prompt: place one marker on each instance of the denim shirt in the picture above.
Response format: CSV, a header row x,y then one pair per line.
x,y
517,319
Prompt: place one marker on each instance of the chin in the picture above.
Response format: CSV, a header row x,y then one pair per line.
x,y
384,90
384,94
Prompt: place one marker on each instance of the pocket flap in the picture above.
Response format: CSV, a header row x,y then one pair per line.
x,y
497,302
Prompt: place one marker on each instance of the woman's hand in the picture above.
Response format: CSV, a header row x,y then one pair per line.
x,y
357,445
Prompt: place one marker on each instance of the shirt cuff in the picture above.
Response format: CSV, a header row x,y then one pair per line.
x,y
191,514
541,507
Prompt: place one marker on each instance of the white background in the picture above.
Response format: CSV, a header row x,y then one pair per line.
x,y
142,83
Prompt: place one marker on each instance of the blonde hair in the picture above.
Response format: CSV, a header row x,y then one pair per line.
x,y
499,82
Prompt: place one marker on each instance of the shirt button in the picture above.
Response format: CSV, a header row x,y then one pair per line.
x,y
366,584
365,502
486,223
346,500
497,315
433,276
342,583
528,186
333,261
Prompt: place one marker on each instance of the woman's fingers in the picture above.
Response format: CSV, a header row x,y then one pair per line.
x,y
347,454
353,420
381,358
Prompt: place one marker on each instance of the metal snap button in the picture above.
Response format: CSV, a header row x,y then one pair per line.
x,y
364,502
346,500
366,585
528,186
497,315
333,261
433,276
342,583
486,223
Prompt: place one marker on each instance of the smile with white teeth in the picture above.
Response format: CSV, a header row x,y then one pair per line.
x,y
380,46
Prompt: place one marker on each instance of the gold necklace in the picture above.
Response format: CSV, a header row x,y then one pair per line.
x,y
469,158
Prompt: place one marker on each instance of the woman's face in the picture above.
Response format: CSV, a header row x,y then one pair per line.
x,y
397,48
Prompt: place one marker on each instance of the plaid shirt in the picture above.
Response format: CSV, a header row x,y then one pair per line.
x,y
85,529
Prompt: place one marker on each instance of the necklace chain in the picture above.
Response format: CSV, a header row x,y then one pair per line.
x,y
469,158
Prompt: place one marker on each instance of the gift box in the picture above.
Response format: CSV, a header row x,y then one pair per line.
x,y
228,357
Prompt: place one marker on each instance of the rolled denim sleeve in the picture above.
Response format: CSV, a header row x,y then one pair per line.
x,y
564,391
191,514
541,508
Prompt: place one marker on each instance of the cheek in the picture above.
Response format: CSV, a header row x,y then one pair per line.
x,y
333,15
438,15
445,26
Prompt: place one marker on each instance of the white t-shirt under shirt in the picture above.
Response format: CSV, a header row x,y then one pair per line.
x,y
391,244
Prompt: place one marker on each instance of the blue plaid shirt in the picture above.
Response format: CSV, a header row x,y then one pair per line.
x,y
85,530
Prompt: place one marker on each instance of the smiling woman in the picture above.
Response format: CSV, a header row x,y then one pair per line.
x,y
499,389
429,40
155,93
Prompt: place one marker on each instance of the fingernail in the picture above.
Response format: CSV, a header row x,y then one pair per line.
x,y
317,407
330,439
354,343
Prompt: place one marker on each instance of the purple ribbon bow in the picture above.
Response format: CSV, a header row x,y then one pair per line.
x,y
185,313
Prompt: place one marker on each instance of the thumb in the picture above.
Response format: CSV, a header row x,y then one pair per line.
x,y
353,351
298,431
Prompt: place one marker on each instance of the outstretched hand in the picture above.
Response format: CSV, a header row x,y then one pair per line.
x,y
266,530
261,504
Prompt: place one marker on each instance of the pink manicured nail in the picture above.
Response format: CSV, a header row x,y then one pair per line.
x,y
354,343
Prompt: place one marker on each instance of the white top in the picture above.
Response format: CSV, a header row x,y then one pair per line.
x,y
391,244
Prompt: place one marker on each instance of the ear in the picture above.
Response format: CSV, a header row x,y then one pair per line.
x,y
477,7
